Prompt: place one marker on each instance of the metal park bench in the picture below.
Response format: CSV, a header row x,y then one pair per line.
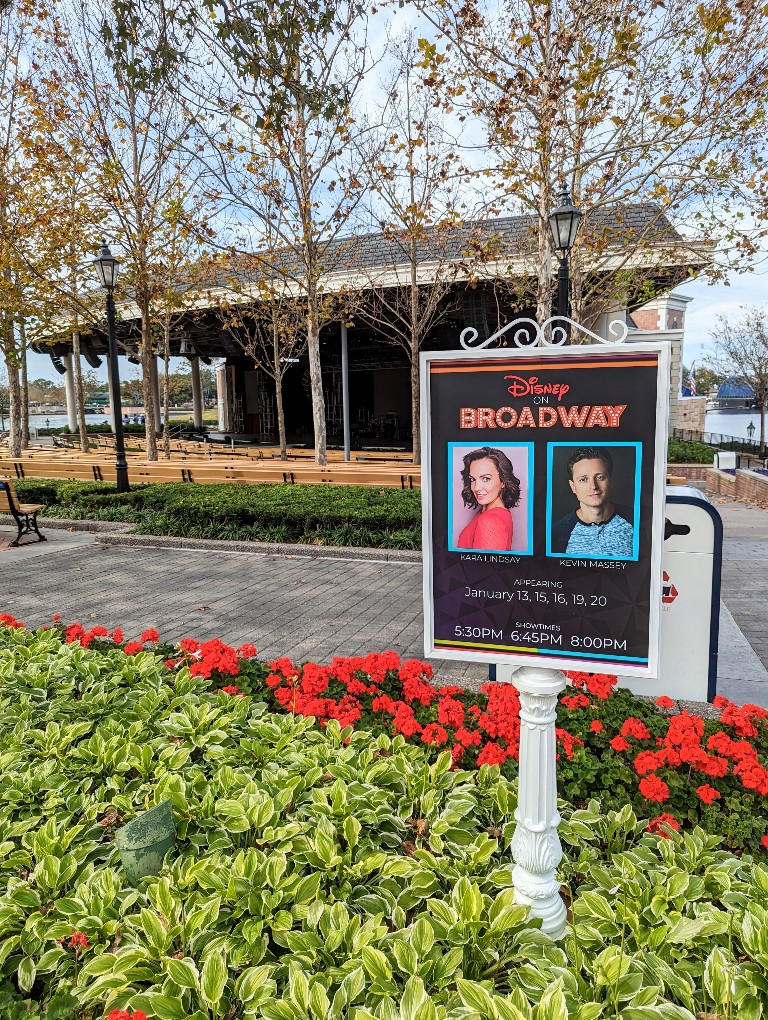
x,y
24,514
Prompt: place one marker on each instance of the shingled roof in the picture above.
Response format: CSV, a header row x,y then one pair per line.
x,y
609,229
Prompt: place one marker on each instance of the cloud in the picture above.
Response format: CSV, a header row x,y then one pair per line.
x,y
713,300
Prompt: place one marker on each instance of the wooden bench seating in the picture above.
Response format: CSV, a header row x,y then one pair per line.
x,y
203,471
68,468
24,514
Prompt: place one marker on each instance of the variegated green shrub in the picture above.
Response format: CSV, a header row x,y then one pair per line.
x,y
325,874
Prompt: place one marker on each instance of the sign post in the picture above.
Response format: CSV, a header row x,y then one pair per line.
x,y
543,484
536,848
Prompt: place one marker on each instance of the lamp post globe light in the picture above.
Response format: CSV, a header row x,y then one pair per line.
x,y
564,223
106,266
751,430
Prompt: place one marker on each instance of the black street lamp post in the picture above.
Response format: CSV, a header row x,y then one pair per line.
x,y
564,224
106,266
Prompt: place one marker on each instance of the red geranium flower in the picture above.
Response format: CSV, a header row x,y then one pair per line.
x,y
665,702
468,738
633,727
740,719
117,635
492,754
150,635
600,685
405,722
648,761
76,941
73,633
764,841
596,726
657,825
568,740
232,689
653,788
620,744
434,734
450,712
133,648
707,793
247,651
573,701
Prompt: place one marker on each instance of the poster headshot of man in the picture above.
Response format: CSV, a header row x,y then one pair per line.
x,y
596,486
489,498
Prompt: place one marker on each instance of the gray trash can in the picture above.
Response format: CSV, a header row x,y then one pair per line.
x,y
690,611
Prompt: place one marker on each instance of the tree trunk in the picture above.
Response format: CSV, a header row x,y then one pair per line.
x,y
315,374
279,389
14,409
77,368
148,388
23,384
415,408
167,387
761,408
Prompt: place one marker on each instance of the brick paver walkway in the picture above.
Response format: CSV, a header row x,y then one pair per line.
x,y
299,606
311,608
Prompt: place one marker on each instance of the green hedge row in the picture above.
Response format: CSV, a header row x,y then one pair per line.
x,y
321,514
679,452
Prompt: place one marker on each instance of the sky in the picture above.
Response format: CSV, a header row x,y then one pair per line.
x,y
711,301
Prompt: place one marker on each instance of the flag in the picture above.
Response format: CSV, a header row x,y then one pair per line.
x,y
692,381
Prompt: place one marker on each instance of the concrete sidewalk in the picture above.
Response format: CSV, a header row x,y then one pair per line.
x,y
315,607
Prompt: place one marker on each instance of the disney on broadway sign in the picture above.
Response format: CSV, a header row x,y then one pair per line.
x,y
543,502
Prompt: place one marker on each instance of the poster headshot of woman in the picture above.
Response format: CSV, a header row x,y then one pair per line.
x,y
489,504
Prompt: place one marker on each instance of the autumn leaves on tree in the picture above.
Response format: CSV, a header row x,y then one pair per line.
x,y
231,149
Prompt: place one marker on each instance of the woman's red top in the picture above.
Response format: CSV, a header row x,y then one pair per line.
x,y
489,529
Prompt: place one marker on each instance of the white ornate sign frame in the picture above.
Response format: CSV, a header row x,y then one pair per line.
x,y
536,848
553,332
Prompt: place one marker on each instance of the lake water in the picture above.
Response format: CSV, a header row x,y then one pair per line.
x,y
734,423
59,421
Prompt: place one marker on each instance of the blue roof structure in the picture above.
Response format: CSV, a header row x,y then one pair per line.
x,y
735,388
